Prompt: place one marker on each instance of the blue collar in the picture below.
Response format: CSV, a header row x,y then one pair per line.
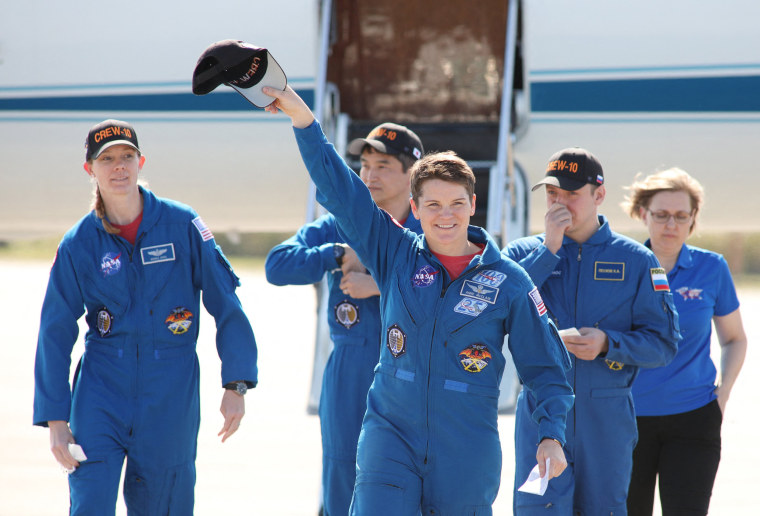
x,y
602,234
684,260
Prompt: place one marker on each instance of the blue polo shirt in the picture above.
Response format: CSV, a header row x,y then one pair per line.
x,y
702,288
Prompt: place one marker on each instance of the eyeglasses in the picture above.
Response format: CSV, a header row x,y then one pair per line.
x,y
662,217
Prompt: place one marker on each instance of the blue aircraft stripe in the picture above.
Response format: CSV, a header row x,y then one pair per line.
x,y
167,102
697,94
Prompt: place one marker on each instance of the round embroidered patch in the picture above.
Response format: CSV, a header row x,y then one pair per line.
x,y
179,320
425,276
474,358
104,321
110,264
396,341
346,313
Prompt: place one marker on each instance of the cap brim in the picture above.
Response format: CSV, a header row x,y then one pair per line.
x,y
111,144
357,146
564,183
274,78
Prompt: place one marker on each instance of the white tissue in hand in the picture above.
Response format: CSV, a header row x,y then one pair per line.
x,y
77,452
536,484
569,332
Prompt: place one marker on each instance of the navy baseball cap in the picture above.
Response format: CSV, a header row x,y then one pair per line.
x,y
570,169
107,134
391,139
240,65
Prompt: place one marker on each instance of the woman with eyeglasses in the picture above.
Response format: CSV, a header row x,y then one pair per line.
x,y
679,407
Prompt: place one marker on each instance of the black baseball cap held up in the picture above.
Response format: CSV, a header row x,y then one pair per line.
x,y
242,66
107,134
570,169
391,139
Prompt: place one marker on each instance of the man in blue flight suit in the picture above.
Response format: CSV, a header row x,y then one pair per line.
x,y
430,439
386,156
614,293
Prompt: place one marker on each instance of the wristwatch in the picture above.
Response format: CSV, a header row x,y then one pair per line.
x,y
339,252
240,387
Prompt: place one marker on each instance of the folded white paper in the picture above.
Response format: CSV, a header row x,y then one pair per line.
x,y
77,452
536,484
569,332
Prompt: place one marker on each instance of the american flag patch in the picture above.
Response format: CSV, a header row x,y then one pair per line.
x,y
536,298
202,229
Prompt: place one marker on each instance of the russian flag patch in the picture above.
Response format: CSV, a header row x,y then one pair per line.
x,y
659,280
536,298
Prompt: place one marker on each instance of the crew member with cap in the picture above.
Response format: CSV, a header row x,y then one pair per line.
x,y
386,155
135,267
611,301
429,441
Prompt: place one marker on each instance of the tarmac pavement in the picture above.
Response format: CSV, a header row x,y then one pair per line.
x,y
271,467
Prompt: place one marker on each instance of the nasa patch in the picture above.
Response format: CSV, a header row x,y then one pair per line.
x,y
104,321
157,254
110,264
490,278
346,313
396,341
475,357
471,307
425,276
179,320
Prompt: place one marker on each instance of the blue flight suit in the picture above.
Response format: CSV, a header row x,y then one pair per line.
x,y
135,390
429,438
355,332
615,284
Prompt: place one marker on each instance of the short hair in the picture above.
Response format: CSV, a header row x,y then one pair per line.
x,y
406,160
446,166
670,180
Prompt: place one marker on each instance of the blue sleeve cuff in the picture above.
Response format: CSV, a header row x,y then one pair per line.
x,y
328,256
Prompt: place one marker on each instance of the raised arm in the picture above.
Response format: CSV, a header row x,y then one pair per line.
x,y
369,231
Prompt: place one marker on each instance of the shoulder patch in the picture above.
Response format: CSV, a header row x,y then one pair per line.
x,y
202,229
659,279
537,301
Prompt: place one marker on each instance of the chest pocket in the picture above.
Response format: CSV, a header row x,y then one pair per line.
x,y
105,291
409,297
473,348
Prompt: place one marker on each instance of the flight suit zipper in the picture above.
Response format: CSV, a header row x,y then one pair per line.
x,y
575,323
441,303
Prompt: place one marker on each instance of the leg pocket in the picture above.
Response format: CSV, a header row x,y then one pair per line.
x,y
383,497
94,486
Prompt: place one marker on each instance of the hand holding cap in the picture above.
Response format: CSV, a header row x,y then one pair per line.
x,y
242,66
